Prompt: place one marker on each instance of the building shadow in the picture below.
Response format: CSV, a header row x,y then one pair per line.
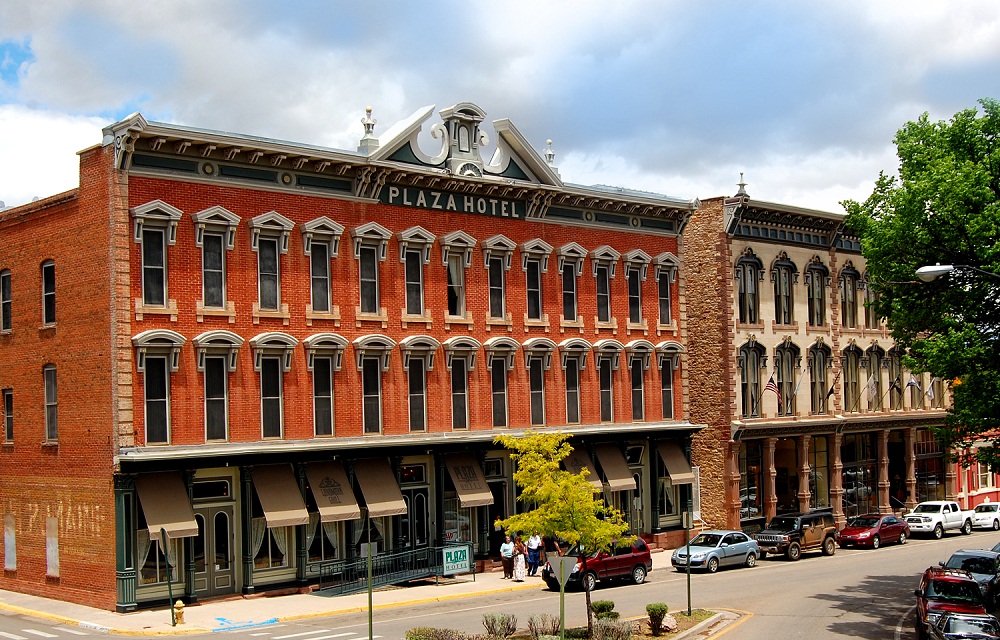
x,y
878,600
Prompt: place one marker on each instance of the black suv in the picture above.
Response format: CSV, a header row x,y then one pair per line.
x,y
794,533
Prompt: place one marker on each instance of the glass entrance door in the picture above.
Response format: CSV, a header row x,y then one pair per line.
x,y
213,551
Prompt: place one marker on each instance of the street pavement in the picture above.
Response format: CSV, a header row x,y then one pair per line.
x,y
259,610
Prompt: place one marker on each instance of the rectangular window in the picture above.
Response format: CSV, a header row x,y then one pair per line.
x,y
371,392
498,383
6,305
849,303
607,396
368,269
638,391
603,294
497,295
319,270
418,395
534,286
270,397
667,390
157,387
48,292
816,288
663,292
9,543
213,270
51,404
456,285
154,273
634,297
8,415
569,292
536,380
323,395
783,295
267,273
414,283
572,391
216,404
459,394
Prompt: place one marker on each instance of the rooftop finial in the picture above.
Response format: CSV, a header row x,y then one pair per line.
x,y
550,155
742,185
369,142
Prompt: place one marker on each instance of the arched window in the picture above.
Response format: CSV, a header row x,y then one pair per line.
x,y
815,278
876,359
752,361
786,365
749,271
819,362
849,284
896,382
784,275
852,379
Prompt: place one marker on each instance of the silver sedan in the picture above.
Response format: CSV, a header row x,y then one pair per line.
x,y
713,549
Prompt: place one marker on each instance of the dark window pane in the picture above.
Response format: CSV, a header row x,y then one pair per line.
x,y
603,295
534,290
215,398
572,391
6,319
536,376
320,267
213,272
323,396
417,388
414,283
569,292
498,377
459,395
267,260
607,404
271,416
371,391
663,287
496,276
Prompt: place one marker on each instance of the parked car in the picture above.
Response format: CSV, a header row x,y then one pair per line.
x,y
941,591
952,626
713,549
937,516
794,533
985,568
626,561
987,516
873,530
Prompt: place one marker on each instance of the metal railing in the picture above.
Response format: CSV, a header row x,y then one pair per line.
x,y
340,577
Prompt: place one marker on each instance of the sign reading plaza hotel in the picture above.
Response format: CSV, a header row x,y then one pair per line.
x,y
457,202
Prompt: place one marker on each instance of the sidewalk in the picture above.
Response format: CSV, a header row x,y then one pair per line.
x,y
238,612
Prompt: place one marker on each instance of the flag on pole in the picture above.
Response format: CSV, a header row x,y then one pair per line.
x,y
913,383
771,386
833,387
930,389
798,384
873,386
896,384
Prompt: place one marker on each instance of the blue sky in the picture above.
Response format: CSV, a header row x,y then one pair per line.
x,y
672,97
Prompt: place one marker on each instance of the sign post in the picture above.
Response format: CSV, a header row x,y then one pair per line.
x,y
688,517
563,567
170,590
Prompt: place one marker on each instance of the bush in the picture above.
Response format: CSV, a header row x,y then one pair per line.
x,y
543,625
605,629
656,611
600,607
499,625
430,633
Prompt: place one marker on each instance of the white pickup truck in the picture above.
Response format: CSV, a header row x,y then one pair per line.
x,y
937,516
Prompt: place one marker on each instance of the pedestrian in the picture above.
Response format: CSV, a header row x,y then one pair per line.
x,y
551,546
534,553
507,558
520,553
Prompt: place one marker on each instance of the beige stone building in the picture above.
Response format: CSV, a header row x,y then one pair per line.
x,y
806,401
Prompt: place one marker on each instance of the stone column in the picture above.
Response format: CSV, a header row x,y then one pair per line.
x,y
883,472
804,495
837,481
909,440
770,495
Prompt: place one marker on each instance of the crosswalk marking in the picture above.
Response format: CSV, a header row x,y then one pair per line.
x,y
40,634
336,635
75,632
11,636
304,633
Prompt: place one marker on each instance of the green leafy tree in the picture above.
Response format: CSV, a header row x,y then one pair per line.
x,y
943,208
558,503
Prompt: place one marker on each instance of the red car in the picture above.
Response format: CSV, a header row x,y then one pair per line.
x,y
873,530
942,591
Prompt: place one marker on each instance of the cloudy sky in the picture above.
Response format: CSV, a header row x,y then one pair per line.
x,y
676,97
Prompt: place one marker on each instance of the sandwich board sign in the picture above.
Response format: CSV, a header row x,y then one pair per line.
x,y
456,559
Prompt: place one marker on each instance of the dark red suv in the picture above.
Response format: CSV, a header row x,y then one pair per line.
x,y
625,561
944,590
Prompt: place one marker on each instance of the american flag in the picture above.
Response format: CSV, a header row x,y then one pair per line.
x,y
771,386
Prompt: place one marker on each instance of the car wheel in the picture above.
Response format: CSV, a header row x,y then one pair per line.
x,y
829,547
938,532
794,552
713,565
638,574
902,537
751,560
876,542
967,527
996,525
589,581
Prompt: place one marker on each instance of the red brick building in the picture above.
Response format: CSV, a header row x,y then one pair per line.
x,y
270,351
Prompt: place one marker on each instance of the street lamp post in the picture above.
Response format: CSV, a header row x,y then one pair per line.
x,y
933,272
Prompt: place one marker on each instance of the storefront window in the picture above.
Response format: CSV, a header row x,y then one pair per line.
x,y
751,481
668,497
929,467
457,520
153,567
859,455
819,472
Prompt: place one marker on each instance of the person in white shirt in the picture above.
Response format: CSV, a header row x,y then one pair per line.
x,y
534,553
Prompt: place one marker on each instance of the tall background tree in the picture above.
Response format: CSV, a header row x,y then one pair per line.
x,y
944,208
559,503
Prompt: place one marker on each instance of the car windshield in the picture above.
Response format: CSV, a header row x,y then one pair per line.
x,y
971,626
783,523
927,508
954,591
707,540
866,523
972,564
986,508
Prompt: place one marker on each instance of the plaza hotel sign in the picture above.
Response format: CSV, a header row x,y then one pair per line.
x,y
431,199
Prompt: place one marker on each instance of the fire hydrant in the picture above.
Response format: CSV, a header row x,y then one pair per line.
x,y
179,612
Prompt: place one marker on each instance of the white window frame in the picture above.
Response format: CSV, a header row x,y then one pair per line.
x,y
160,217
498,368
48,318
275,362
6,302
412,259
204,270
500,249
416,374
605,367
328,361
460,390
165,358
572,391
51,402
640,388
367,363
217,360
261,275
321,231
536,366
8,415
372,237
